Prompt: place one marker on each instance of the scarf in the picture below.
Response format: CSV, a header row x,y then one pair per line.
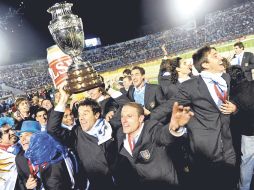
x,y
102,130
215,78
44,149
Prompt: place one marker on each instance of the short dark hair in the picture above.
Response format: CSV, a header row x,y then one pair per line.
x,y
45,99
138,107
239,44
200,57
141,69
236,75
96,108
39,110
128,77
127,71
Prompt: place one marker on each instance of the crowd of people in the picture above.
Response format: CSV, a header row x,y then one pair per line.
x,y
187,132
26,76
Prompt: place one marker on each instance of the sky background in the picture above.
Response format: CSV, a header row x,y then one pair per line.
x,y
25,36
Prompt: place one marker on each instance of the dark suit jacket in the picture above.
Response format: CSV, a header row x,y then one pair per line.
x,y
171,90
153,96
150,160
53,177
242,95
247,64
97,161
208,130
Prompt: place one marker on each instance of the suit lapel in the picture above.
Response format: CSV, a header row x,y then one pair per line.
x,y
203,89
23,164
131,93
226,77
243,59
146,96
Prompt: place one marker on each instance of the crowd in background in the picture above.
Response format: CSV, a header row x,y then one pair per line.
x,y
219,27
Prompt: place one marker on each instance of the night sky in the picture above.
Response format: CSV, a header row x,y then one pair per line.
x,y
113,21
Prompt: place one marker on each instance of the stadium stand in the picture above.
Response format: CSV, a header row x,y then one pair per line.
x,y
219,26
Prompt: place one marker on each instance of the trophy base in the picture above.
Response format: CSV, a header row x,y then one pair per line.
x,y
82,77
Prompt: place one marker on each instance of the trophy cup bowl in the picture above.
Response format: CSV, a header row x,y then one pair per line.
x,y
67,31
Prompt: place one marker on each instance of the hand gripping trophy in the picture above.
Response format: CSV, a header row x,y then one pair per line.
x,y
67,31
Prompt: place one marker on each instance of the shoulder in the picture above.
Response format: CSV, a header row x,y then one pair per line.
x,y
153,86
20,155
150,124
193,81
248,53
20,159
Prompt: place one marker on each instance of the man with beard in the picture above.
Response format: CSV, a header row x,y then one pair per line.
x,y
8,151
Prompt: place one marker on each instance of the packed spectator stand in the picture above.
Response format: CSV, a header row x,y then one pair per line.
x,y
219,26
184,136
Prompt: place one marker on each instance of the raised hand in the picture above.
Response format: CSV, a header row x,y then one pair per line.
x,y
63,94
180,117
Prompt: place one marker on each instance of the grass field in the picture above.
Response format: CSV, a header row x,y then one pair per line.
x,y
152,67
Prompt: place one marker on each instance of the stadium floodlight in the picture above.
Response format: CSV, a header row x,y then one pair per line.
x,y
188,8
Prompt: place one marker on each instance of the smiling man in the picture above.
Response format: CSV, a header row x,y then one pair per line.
x,y
93,141
209,133
145,145
148,95
8,151
244,59
24,167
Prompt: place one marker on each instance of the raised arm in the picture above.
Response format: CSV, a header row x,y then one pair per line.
x,y
55,119
180,117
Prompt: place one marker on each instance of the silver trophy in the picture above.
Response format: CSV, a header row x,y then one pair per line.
x,y
67,31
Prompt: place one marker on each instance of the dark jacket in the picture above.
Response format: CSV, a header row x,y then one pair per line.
x,y
208,130
242,96
96,160
171,90
153,96
107,105
247,64
53,176
150,159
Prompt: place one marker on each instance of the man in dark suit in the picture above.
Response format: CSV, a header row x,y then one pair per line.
x,y
145,145
92,139
243,59
209,134
148,95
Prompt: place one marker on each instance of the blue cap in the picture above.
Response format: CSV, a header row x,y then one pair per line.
x,y
30,126
6,120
